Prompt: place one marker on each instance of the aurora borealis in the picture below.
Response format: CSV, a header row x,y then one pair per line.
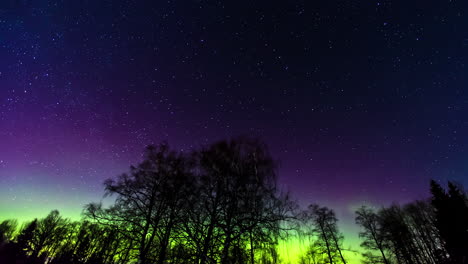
x,y
362,102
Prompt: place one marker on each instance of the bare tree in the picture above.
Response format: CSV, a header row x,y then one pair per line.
x,y
323,224
239,206
373,236
147,201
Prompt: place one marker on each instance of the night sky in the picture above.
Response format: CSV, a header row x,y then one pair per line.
x,y
360,101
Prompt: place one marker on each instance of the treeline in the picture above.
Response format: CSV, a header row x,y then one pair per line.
x,y
433,231
423,232
221,204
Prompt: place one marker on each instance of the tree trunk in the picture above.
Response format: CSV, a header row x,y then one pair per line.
x,y
326,241
335,240
165,243
207,243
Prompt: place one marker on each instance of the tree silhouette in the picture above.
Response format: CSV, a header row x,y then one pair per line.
x,y
221,204
48,233
452,220
7,230
148,201
373,236
239,205
18,251
420,218
323,225
419,232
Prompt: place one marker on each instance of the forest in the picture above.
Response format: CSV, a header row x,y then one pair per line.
x,y
222,204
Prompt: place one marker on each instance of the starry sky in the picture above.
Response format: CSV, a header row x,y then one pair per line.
x,y
360,101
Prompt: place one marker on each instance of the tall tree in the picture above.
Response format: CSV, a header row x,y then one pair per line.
x,y
420,218
239,206
147,201
373,236
397,230
323,225
48,234
451,211
243,175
